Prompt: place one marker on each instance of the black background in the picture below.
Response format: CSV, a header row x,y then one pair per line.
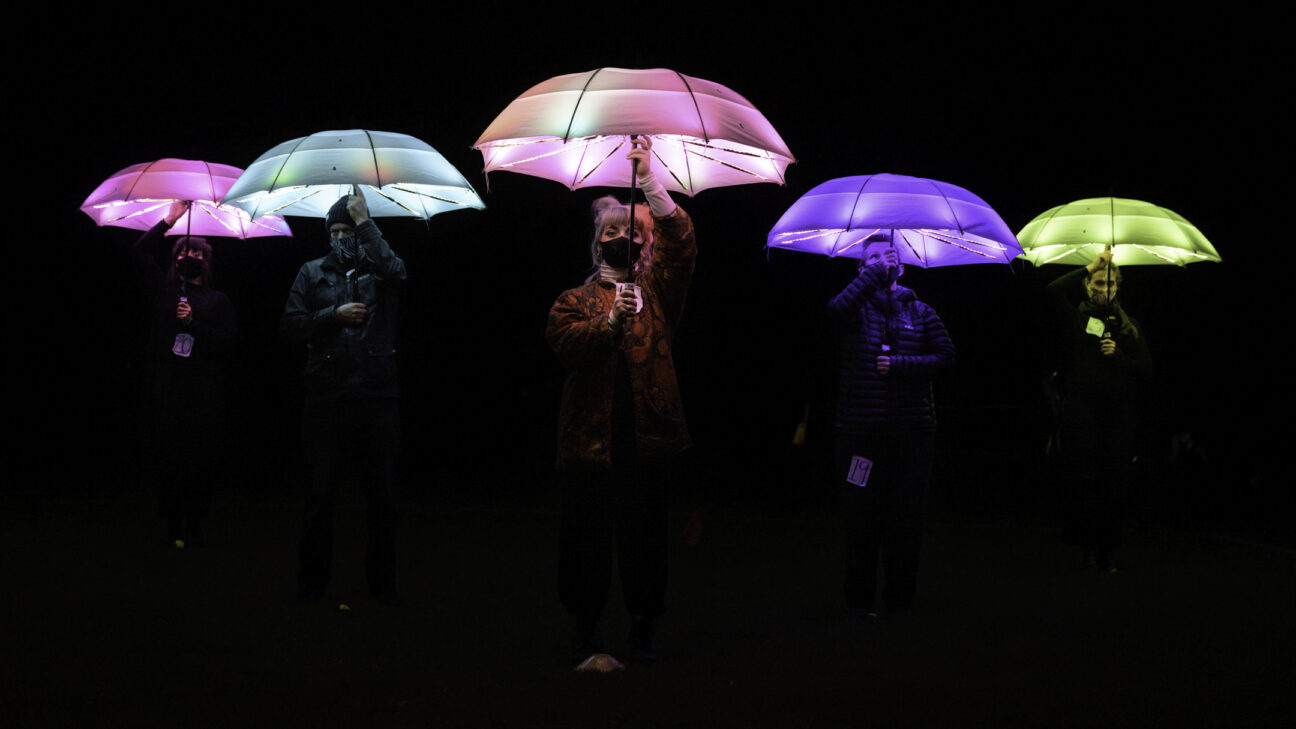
x,y
1026,111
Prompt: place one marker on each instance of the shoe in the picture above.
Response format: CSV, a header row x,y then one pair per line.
x,y
589,640
1105,564
862,616
642,644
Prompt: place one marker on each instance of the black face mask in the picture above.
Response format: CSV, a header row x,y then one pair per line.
x,y
190,267
346,247
616,252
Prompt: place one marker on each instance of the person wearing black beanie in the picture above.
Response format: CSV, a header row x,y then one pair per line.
x,y
343,308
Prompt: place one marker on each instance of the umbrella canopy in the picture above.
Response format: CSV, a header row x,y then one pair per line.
x,y
934,223
305,176
1139,233
571,128
141,195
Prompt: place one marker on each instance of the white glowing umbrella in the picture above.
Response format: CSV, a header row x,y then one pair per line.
x,y
575,129
402,176
139,196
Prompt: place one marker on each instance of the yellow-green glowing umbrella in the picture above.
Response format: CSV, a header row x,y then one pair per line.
x,y
1140,234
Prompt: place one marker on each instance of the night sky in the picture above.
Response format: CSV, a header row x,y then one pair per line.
x,y
1026,113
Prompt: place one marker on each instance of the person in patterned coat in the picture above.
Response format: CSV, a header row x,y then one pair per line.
x,y
892,346
621,421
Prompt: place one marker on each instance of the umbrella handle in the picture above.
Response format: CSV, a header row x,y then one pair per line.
x,y
634,180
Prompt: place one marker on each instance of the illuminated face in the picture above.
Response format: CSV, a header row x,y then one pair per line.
x,y
613,231
873,253
1097,289
189,253
340,230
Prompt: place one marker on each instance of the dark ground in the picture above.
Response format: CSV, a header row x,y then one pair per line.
x,y
109,627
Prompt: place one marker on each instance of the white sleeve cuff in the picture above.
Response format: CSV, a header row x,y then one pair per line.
x,y
659,201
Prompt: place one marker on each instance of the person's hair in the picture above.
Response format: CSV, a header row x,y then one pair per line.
x,y
607,210
191,243
1115,271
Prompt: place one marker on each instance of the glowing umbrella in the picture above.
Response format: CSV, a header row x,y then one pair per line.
x,y
570,129
305,176
933,223
140,196
1139,233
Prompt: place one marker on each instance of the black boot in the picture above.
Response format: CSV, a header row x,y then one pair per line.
x,y
643,645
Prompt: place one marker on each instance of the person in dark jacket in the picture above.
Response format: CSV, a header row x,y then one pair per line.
x,y
343,307
892,346
621,421
1105,361
191,335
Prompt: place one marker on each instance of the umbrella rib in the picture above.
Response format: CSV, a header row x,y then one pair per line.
x,y
140,212
678,181
820,233
316,191
392,199
947,204
374,153
213,216
698,109
913,250
726,164
1051,216
596,165
858,194
588,141
137,179
763,154
279,171
949,238
572,119
422,194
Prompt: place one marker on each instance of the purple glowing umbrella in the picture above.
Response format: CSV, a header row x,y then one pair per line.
x,y
141,195
933,223
570,129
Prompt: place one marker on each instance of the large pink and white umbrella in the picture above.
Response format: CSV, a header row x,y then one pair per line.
x,y
141,195
931,223
576,129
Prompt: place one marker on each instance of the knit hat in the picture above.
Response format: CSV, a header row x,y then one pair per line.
x,y
339,214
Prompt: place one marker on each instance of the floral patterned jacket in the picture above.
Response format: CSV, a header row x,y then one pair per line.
x,y
579,333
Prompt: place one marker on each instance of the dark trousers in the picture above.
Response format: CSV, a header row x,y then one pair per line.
x,y
623,510
1097,452
885,516
346,442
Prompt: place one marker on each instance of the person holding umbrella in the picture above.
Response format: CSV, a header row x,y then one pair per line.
x,y
343,308
621,420
191,334
892,346
1104,361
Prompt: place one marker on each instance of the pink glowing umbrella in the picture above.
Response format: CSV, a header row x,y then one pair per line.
x,y
140,196
571,128
932,223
